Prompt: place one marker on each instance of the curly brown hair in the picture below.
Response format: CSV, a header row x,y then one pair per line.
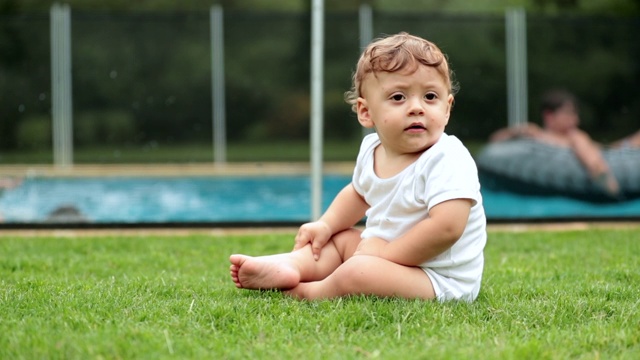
x,y
398,52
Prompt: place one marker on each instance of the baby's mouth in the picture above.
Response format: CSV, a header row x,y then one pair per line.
x,y
415,126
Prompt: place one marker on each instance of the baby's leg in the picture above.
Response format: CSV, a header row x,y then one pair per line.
x,y
284,271
368,275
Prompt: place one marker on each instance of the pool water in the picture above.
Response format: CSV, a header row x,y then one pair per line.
x,y
240,200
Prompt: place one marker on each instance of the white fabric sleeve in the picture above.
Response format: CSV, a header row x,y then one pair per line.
x,y
450,174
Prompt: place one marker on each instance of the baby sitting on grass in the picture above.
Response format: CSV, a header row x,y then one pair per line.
x,y
425,231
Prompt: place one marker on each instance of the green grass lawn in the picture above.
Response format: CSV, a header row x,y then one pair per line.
x,y
546,295
194,153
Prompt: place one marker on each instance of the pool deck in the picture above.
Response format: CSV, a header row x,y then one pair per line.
x,y
193,169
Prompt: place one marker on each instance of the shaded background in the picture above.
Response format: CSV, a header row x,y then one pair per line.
x,y
141,73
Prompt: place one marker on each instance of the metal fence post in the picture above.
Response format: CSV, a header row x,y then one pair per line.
x,y
317,103
365,20
517,94
61,94
217,84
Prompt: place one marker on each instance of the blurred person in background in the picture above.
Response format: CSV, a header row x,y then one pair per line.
x,y
560,127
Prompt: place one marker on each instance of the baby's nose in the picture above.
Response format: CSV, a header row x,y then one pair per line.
x,y
415,107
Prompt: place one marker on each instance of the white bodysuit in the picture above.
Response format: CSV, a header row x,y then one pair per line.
x,y
443,172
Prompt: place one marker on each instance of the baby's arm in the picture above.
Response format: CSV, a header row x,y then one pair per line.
x,y
345,211
427,239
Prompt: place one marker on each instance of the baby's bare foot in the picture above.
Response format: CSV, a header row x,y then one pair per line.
x,y
263,273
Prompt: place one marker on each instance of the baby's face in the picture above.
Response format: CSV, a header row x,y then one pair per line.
x,y
409,110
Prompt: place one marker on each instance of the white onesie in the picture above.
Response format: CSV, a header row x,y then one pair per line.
x,y
444,172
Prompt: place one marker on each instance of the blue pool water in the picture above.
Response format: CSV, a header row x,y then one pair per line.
x,y
240,199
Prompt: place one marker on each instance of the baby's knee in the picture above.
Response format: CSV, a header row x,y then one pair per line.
x,y
347,241
348,235
353,273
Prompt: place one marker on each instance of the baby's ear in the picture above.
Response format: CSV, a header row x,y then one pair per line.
x,y
364,117
450,102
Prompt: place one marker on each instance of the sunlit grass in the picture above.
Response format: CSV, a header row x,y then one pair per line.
x,y
546,295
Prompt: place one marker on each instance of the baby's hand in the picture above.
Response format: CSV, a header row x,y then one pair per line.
x,y
371,246
315,233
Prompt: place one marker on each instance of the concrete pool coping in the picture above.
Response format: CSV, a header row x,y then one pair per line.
x,y
191,169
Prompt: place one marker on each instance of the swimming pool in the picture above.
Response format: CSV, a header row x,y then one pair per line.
x,y
272,199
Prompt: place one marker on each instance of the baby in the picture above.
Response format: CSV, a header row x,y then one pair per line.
x,y
417,186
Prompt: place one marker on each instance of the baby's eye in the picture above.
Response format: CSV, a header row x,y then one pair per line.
x,y
397,97
431,96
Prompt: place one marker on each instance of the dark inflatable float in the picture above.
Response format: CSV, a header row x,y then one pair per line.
x,y
527,166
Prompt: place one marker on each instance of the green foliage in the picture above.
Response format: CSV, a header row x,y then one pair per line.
x,y
476,6
34,132
561,56
103,127
150,68
546,295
